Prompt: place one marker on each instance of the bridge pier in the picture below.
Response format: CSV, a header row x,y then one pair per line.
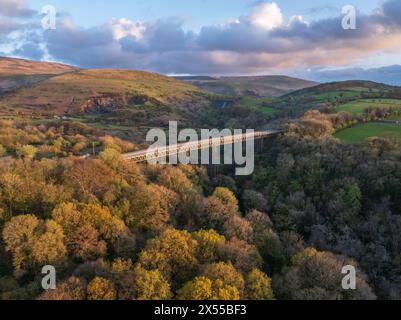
x,y
212,170
259,145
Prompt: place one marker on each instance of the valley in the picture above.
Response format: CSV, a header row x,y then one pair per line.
x,y
64,137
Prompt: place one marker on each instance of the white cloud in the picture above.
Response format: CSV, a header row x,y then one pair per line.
x,y
125,27
266,16
260,42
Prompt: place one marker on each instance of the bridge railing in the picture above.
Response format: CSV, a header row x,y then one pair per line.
x,y
161,152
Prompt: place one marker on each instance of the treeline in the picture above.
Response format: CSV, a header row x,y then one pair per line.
x,y
316,124
53,139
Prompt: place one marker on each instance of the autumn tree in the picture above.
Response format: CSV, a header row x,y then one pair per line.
x,y
72,289
88,227
258,286
90,178
241,254
208,245
84,243
202,288
3,151
237,227
223,275
151,285
149,206
219,208
34,242
188,205
101,289
27,151
173,253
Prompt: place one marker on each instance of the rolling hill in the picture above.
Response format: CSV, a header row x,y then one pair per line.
x,y
17,73
259,86
14,67
346,89
114,96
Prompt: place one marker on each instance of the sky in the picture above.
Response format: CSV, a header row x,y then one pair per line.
x,y
208,37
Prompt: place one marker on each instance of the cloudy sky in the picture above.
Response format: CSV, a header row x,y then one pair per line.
x,y
215,37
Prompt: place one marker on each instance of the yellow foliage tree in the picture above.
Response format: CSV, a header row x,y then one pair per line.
x,y
101,289
151,285
258,286
173,253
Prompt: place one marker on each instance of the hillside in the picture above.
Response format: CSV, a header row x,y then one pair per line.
x,y
122,95
346,89
17,73
260,86
14,67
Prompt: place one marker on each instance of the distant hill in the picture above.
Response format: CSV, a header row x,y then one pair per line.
x,y
347,89
17,73
389,75
261,86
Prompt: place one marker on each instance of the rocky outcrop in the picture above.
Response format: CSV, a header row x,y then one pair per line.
x,y
99,105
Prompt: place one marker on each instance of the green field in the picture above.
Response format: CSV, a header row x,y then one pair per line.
x,y
268,111
361,132
359,106
257,103
337,94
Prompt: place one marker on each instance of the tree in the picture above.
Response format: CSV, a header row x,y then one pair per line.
x,y
260,223
101,289
316,275
241,254
208,244
19,194
49,246
258,286
227,197
314,125
27,151
72,289
224,274
110,227
202,288
87,226
111,157
188,205
3,151
173,253
90,177
219,208
237,227
151,285
149,206
253,200
32,241
84,243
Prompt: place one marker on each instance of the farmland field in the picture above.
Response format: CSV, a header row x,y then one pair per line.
x,y
361,132
359,106
268,111
337,94
258,103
